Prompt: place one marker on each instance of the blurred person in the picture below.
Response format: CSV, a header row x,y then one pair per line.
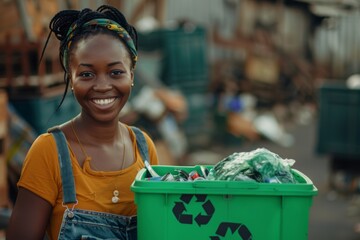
x,y
75,181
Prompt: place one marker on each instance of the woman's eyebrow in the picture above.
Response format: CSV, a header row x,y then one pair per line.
x,y
110,64
85,64
114,63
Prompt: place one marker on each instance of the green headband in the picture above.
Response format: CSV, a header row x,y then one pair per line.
x,y
109,24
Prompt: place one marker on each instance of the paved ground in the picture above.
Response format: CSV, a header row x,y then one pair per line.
x,y
330,215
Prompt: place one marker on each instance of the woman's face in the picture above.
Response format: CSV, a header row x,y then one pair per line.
x,y
101,76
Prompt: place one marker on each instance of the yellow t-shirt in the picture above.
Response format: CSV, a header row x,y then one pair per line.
x,y
94,189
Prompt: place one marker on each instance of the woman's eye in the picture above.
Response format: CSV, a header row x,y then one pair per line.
x,y
116,72
86,75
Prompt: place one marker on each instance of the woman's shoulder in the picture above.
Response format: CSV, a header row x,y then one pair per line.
x,y
44,143
44,139
40,170
42,156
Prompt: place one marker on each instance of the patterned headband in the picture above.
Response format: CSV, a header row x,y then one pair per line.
x,y
109,24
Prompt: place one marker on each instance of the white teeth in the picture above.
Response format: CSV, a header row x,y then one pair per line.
x,y
104,101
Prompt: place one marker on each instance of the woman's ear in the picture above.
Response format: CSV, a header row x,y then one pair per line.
x,y
132,77
68,77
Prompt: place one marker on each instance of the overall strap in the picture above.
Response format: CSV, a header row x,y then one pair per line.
x,y
141,143
67,177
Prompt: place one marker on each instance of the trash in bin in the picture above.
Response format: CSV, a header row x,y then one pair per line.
x,y
260,165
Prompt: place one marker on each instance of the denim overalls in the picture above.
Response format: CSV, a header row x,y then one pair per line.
x,y
84,224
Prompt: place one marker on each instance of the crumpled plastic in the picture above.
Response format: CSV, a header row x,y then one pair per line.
x,y
260,165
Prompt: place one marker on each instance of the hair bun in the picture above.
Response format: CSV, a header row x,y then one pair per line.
x,y
62,21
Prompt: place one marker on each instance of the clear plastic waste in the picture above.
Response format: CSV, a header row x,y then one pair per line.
x,y
260,165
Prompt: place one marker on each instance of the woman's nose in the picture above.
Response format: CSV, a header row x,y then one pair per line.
x,y
102,83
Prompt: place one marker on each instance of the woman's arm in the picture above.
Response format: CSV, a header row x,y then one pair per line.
x,y
29,218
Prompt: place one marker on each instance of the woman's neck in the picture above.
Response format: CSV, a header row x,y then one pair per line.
x,y
94,132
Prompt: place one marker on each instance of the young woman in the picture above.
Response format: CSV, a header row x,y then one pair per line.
x,y
89,195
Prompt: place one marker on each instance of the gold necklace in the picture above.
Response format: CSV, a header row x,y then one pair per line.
x,y
115,198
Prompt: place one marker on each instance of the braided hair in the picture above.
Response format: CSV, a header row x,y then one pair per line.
x,y
62,22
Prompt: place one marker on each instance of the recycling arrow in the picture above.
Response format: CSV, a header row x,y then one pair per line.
x,y
186,198
179,209
241,229
200,197
204,219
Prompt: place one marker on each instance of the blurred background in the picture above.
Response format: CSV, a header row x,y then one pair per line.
x,y
214,77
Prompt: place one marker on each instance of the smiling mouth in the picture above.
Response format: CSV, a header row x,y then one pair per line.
x,y
103,102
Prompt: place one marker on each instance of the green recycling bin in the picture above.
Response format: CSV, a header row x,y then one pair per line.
x,y
221,209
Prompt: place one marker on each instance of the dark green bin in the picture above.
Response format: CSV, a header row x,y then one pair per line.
x,y
184,51
41,113
339,120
